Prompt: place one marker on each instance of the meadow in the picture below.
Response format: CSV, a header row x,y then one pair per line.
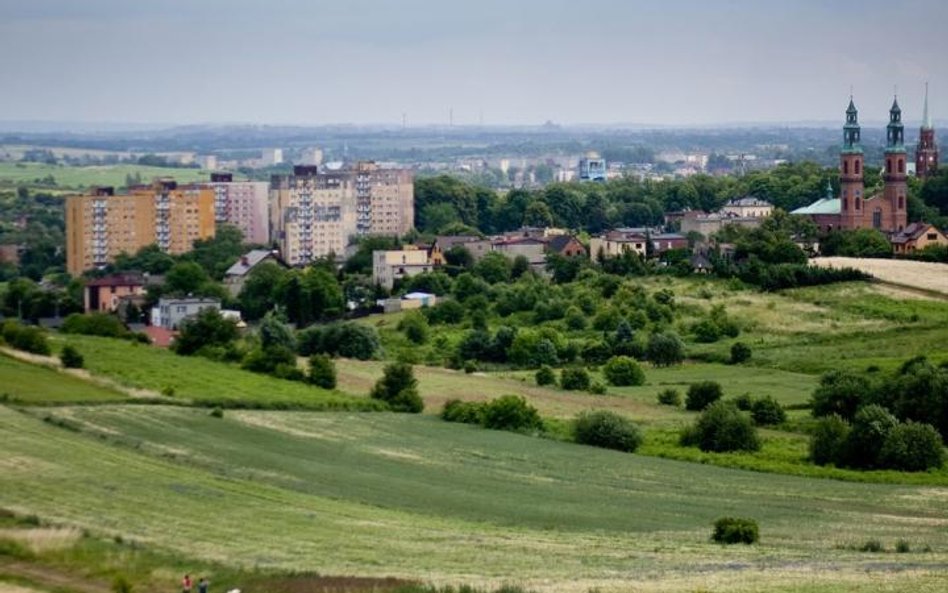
x,y
410,496
28,383
75,178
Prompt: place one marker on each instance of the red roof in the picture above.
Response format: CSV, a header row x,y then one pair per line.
x,y
160,336
118,280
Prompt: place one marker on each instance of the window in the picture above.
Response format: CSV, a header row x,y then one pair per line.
x,y
845,167
888,166
856,165
857,203
901,202
931,237
845,204
901,168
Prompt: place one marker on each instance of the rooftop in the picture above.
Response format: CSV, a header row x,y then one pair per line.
x,y
821,206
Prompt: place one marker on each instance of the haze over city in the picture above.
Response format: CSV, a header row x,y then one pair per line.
x,y
683,62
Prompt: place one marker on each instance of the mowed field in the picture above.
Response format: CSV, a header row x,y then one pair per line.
x,y
385,494
81,177
925,275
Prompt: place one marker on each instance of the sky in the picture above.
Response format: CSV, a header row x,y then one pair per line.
x,y
662,62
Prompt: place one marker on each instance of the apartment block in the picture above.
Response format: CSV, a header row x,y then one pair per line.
x,y
102,225
242,204
315,212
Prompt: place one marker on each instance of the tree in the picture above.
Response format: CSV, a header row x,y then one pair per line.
x,y
538,214
185,278
493,267
459,256
398,388
840,392
703,394
207,329
70,357
622,371
322,371
510,412
608,430
912,447
871,426
665,349
348,340
415,326
273,332
258,294
574,379
828,441
767,411
722,428
439,216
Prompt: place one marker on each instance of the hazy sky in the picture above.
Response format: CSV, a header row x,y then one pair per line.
x,y
671,62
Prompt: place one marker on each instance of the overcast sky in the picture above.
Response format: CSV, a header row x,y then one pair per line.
x,y
674,62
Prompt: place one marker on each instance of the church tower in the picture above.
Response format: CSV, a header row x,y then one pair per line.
x,y
894,216
926,152
850,172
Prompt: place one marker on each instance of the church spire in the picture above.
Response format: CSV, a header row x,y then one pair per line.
x,y
895,131
926,119
851,130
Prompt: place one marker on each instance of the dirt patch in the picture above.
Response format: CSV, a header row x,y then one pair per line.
x,y
311,583
52,579
43,539
928,276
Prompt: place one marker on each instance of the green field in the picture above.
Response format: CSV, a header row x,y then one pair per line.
x,y
23,382
75,178
383,494
198,380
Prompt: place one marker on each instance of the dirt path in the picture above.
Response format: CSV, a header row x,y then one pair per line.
x,y
52,579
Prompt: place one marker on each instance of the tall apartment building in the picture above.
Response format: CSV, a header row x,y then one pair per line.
x,y
242,204
101,225
317,212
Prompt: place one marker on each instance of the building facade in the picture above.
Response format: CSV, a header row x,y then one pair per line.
x,y
242,204
392,265
102,225
171,312
592,168
103,295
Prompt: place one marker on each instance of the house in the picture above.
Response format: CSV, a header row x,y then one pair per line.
x,y
917,236
618,241
171,311
663,242
532,248
566,245
389,266
237,274
475,245
103,295
748,207
695,221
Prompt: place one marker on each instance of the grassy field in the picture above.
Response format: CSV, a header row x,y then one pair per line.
x,y
194,379
81,177
382,494
23,382
925,275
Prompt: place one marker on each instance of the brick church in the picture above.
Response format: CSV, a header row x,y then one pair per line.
x,y
886,210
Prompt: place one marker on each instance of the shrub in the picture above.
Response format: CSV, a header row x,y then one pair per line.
x,y
510,412
217,412
348,340
740,352
207,328
902,547
735,530
706,331
415,327
398,388
120,584
598,388
575,319
872,545
470,366
622,371
912,447
608,430
871,425
266,360
840,393
546,376
456,410
721,428
669,397
665,349
71,358
322,371
701,395
744,402
94,324
767,411
574,379
828,441
26,338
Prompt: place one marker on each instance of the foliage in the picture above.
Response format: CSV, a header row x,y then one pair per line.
x,y
912,447
207,328
70,357
456,410
94,324
608,430
310,295
258,294
703,394
740,352
733,530
871,425
828,441
415,326
24,337
840,393
121,584
665,349
623,371
510,412
448,312
767,411
273,332
275,359
721,427
348,340
322,371
669,397
574,379
398,387
856,243
545,376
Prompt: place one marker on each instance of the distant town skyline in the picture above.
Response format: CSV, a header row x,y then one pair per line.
x,y
675,63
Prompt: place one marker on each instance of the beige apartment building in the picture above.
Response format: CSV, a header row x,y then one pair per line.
x,y
389,266
315,213
101,225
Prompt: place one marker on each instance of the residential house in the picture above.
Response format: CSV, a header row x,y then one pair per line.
x,y
392,265
748,207
171,311
237,274
103,295
566,245
618,241
917,236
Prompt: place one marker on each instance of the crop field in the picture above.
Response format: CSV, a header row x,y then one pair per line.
x,y
393,495
926,275
74,178
194,379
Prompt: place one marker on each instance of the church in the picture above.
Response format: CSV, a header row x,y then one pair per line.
x,y
886,211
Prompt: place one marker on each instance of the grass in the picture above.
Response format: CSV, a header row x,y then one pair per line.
x,y
193,379
68,177
31,384
393,495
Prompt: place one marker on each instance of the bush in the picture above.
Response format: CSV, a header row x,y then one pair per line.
x,y
912,447
722,428
71,358
120,584
734,530
840,393
701,395
398,388
217,412
322,371
94,324
574,379
622,371
669,397
665,349
767,411
740,352
456,410
348,340
470,367
546,376
871,425
902,547
415,327
828,440
598,388
207,328
607,430
27,338
872,545
510,412
744,402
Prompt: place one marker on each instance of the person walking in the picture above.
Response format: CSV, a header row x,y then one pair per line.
x,y
202,585
186,584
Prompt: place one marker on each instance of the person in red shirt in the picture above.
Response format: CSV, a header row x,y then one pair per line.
x,y
186,584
